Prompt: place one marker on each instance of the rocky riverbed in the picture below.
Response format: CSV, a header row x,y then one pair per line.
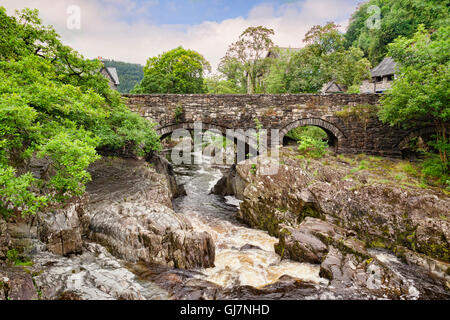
x,y
79,250
317,229
360,228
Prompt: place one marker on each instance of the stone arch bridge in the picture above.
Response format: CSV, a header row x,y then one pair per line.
x,y
349,119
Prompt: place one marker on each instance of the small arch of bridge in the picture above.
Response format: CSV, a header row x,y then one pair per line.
x,y
166,131
334,133
414,134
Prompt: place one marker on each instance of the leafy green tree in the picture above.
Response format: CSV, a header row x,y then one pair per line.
x,y
323,58
176,71
234,72
398,18
348,67
277,80
307,72
420,94
247,55
216,85
56,109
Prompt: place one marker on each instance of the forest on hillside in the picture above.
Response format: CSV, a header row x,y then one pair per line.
x,y
129,74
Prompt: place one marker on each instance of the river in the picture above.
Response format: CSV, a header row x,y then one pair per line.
x,y
244,256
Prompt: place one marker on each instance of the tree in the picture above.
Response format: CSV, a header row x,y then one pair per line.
x,y
176,71
307,71
55,106
420,94
348,67
324,40
322,59
234,73
398,18
216,85
277,79
249,54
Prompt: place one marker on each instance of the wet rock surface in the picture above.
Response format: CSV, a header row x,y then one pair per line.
x,y
16,284
323,217
60,228
93,275
130,213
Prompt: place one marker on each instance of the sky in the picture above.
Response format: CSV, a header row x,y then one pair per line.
x,y
134,30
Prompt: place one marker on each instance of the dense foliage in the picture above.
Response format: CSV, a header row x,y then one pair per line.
x,y
56,111
247,68
420,95
324,58
176,71
246,60
312,141
129,74
398,18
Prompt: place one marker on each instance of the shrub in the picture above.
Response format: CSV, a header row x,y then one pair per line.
x,y
313,147
434,168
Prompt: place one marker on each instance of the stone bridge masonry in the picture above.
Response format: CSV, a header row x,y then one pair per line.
x,y
349,130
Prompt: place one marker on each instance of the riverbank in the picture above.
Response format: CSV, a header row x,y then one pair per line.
x,y
340,227
340,211
80,250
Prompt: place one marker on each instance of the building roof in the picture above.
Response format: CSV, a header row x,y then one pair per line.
x,y
385,68
113,73
326,87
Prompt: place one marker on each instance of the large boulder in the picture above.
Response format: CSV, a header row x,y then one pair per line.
x,y
60,228
377,213
130,213
16,284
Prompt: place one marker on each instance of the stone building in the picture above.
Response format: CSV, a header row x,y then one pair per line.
x,y
110,73
382,77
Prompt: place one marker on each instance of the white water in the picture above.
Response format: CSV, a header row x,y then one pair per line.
x,y
257,266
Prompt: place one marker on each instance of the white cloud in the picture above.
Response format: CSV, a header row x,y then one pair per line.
x,y
102,33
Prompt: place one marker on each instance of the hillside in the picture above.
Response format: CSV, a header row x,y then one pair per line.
x,y
129,74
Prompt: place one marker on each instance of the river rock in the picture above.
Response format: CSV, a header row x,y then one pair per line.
x,y
377,213
60,228
230,184
163,166
302,243
130,213
16,284
93,275
4,241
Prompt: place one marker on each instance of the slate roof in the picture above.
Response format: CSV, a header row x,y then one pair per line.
x,y
385,68
114,76
328,85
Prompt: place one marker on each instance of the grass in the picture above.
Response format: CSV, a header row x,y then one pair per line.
x,y
402,173
14,257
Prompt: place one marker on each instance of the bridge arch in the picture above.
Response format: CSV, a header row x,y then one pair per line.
x,y
167,130
416,133
334,133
